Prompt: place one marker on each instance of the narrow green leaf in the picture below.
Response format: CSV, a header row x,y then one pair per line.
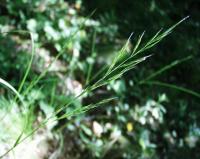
x,y
167,67
178,88
86,108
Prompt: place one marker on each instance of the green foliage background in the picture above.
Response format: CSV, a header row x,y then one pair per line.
x,y
146,121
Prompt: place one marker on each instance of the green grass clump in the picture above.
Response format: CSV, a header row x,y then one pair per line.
x,y
122,63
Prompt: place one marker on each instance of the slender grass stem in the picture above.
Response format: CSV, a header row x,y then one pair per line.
x,y
92,56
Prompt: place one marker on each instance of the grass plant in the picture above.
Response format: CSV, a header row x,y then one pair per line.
x,y
124,61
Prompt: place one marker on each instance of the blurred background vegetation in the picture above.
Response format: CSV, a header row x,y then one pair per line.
x,y
146,121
